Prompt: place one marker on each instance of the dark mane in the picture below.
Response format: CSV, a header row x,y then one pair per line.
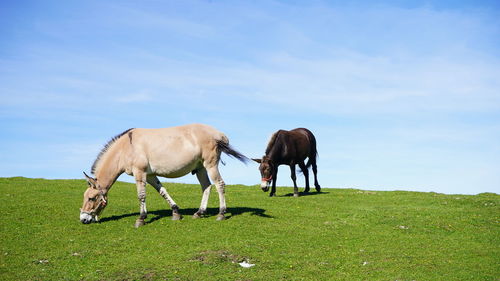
x,y
105,148
274,145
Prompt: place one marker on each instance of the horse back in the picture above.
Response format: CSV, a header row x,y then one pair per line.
x,y
169,149
294,145
309,145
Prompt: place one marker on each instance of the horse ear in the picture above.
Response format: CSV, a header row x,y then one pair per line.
x,y
91,181
257,160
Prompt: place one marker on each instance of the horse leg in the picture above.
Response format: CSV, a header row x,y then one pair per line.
x,y
315,171
140,180
202,176
215,176
153,180
294,179
305,171
273,184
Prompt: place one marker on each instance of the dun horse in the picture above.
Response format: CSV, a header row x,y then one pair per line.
x,y
168,152
289,148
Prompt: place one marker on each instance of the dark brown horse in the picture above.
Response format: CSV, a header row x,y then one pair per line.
x,y
289,148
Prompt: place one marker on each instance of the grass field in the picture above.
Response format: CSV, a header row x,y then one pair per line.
x,y
340,234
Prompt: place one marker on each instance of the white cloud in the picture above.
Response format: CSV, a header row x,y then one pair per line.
x,y
315,63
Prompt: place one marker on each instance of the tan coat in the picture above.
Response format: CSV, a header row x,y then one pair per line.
x,y
167,152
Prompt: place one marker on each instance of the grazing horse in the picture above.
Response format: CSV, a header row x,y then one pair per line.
x,y
289,148
168,152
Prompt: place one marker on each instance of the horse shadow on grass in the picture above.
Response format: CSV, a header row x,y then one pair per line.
x,y
211,212
304,194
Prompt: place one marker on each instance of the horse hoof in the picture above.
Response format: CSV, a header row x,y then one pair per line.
x,y
176,217
272,194
139,223
295,195
220,217
306,190
196,216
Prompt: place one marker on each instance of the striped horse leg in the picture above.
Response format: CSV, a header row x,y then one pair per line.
x,y
202,176
215,176
155,182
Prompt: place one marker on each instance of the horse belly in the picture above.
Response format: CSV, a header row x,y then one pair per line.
x,y
172,167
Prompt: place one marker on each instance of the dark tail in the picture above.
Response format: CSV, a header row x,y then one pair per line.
x,y
223,146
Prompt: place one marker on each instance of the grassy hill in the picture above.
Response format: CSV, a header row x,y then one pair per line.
x,y
340,234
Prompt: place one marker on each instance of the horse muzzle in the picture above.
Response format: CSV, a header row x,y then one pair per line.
x,y
87,218
265,186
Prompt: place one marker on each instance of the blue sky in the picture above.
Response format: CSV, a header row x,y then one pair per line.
x,y
401,95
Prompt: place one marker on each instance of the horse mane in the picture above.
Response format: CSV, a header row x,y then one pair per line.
x,y
106,148
271,146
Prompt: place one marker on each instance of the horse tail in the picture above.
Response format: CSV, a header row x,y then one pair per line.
x,y
313,154
223,146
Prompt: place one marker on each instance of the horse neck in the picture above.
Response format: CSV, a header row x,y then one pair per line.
x,y
109,168
274,150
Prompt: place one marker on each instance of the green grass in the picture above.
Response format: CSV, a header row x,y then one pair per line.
x,y
341,234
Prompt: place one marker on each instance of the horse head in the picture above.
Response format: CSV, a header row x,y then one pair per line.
x,y
267,170
94,201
